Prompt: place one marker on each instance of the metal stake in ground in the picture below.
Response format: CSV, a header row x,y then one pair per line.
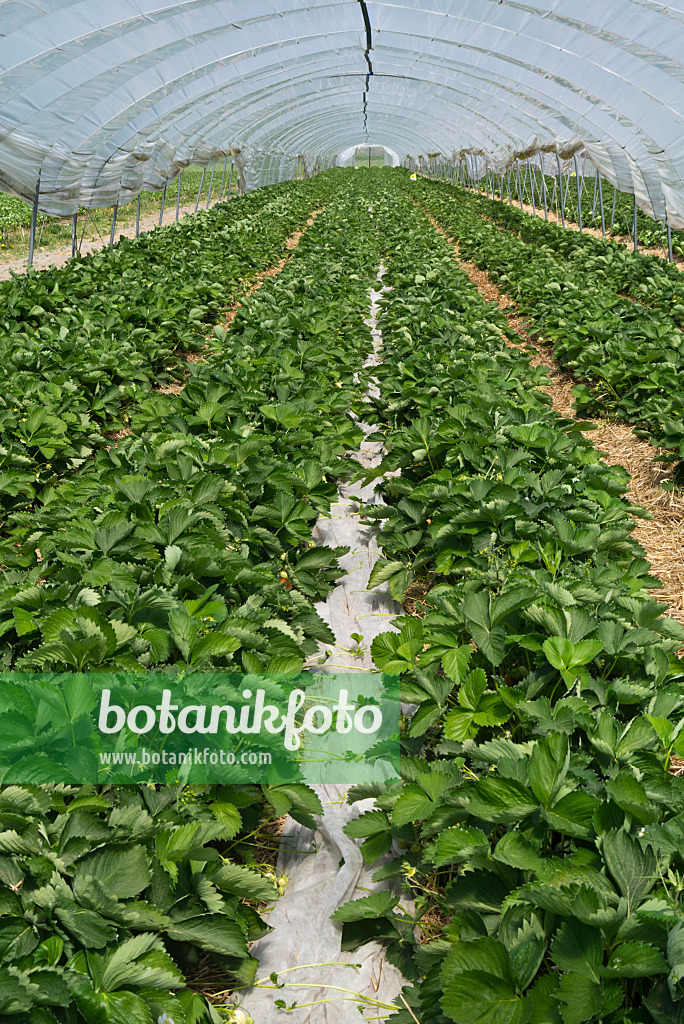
x,y
579,195
634,224
223,178
163,204
211,181
114,213
137,217
200,189
74,233
560,191
178,196
34,221
603,219
543,178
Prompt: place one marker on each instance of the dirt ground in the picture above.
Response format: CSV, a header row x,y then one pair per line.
x,y
58,257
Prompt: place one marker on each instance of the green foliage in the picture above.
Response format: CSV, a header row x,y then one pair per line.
x,y
536,811
612,316
110,896
186,543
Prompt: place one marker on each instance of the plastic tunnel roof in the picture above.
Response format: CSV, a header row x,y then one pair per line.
x,y
101,99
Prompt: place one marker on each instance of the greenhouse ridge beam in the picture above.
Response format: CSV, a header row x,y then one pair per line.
x,y
367,53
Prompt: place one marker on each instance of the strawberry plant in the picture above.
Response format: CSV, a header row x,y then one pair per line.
x,y
627,353
186,544
536,815
86,342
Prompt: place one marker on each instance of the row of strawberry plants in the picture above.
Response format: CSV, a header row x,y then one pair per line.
x,y
188,544
628,353
82,342
208,504
536,812
648,279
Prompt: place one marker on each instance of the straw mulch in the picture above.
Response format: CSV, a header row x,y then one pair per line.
x,y
290,243
414,600
662,536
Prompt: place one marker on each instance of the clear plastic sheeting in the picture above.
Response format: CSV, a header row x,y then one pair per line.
x,y
100,100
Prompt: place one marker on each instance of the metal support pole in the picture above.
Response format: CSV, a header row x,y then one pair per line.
x,y
603,219
579,196
510,198
34,221
200,189
534,208
612,216
211,181
114,213
567,186
223,178
669,244
178,196
517,182
582,175
593,205
634,224
163,204
230,180
74,233
546,208
137,217
526,175
560,191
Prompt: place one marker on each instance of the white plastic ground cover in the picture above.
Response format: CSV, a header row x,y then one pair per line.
x,y
325,867
101,99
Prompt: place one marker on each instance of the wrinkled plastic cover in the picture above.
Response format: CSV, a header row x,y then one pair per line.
x,y
102,99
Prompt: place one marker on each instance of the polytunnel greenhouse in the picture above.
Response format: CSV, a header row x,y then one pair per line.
x,y
342,489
